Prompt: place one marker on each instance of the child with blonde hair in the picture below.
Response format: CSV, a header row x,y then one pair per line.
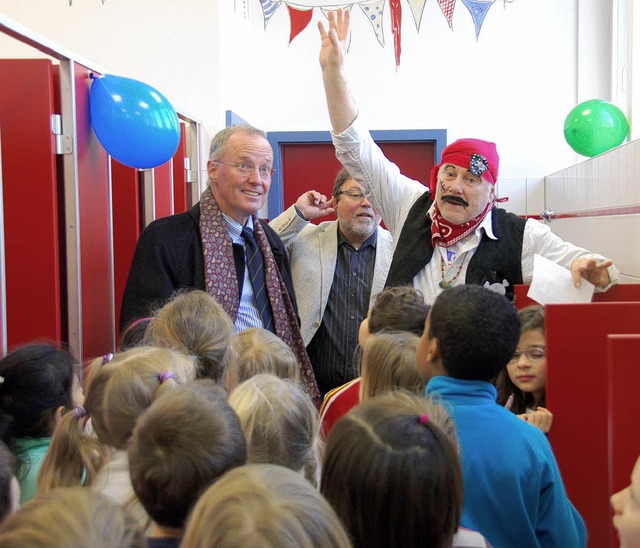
x,y
389,362
395,457
194,323
183,443
71,517
257,350
263,505
395,309
280,423
39,384
119,389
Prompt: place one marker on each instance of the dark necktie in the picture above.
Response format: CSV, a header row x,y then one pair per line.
x,y
255,265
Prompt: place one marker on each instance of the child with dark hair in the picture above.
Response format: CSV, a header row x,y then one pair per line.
x,y
395,309
182,444
522,384
9,486
133,334
514,494
394,458
40,382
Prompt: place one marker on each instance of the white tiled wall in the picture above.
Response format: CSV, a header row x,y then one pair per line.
x,y
608,181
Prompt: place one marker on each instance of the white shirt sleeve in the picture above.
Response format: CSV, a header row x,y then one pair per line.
x,y
391,194
538,239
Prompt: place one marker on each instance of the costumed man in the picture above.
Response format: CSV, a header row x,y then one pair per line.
x,y
221,246
450,233
337,267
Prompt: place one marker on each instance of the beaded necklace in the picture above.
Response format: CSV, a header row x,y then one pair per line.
x,y
448,283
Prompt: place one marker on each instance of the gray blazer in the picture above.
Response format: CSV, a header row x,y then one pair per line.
x,y
312,253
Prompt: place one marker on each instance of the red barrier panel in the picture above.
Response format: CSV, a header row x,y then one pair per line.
x,y
616,293
127,224
582,391
163,189
180,174
98,333
623,376
30,194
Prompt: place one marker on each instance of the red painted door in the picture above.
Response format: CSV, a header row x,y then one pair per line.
x,y
313,166
31,203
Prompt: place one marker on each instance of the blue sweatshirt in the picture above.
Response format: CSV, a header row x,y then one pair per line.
x,y
513,492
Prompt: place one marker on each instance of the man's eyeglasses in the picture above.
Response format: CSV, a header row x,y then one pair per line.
x,y
355,195
247,168
533,355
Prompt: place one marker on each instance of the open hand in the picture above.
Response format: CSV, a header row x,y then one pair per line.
x,y
592,270
334,42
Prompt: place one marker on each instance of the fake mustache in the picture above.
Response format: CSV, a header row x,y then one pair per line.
x,y
454,200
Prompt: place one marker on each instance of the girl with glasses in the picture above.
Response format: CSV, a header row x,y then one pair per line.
x,y
521,385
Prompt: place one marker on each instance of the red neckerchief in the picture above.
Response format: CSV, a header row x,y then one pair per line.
x,y
445,234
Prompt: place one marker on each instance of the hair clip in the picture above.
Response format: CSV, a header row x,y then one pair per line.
x,y
423,418
80,411
164,376
107,357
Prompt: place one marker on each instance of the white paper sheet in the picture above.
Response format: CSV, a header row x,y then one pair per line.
x,y
552,283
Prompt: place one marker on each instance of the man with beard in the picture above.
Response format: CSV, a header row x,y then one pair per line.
x,y
337,267
451,233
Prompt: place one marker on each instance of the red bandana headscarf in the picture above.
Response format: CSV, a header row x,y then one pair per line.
x,y
483,161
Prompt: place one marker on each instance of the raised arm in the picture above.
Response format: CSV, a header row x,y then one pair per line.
x,y
342,108
292,221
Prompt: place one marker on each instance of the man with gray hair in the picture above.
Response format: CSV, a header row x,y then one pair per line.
x,y
222,247
338,267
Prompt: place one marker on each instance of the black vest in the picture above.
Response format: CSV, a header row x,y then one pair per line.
x,y
493,262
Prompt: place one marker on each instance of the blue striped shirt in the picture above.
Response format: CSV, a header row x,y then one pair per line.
x,y
248,314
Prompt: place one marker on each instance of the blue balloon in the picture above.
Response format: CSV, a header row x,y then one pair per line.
x,y
135,123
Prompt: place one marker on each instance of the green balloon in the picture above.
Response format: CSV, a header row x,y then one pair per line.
x,y
595,126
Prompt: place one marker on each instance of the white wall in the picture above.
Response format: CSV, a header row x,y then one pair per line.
x,y
605,184
514,85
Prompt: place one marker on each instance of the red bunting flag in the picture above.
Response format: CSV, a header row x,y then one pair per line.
x,y
299,20
396,27
447,7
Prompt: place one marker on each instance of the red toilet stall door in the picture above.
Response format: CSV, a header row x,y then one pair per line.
x,y
127,224
587,397
180,174
31,203
623,361
96,249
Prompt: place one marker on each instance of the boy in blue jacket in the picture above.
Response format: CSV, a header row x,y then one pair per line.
x,y
513,492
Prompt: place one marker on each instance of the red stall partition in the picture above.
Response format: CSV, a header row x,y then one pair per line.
x,y
180,174
592,384
127,224
616,293
95,236
33,250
